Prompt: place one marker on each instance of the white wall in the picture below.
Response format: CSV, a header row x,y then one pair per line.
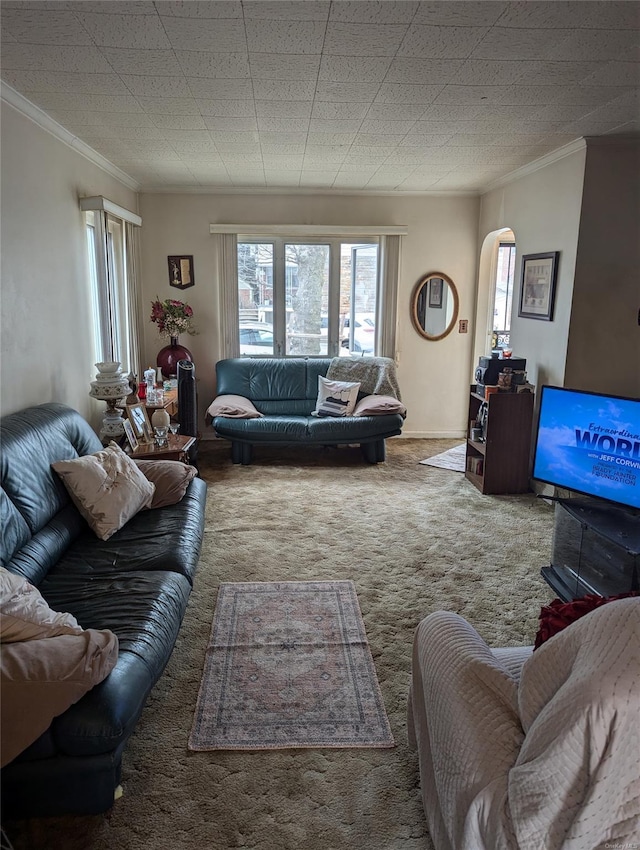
x,y
46,341
603,352
543,210
442,233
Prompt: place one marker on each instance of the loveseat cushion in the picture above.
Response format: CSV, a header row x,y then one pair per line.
x,y
352,429
144,610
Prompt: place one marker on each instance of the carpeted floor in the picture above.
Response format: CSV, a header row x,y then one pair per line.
x,y
413,539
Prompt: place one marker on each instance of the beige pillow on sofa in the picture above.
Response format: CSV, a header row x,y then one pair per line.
x,y
107,488
40,679
233,407
24,614
171,479
379,405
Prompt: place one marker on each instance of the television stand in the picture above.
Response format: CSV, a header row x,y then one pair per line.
x,y
596,549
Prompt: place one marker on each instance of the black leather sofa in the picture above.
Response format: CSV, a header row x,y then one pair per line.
x,y
136,584
285,391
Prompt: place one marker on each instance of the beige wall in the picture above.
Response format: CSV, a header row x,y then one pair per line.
x,y
543,210
442,233
603,352
46,341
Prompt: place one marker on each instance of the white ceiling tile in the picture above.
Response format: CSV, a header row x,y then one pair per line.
x,y
274,138
486,72
93,102
44,27
233,124
352,179
128,133
102,119
543,15
185,146
223,35
283,89
327,125
283,149
362,39
508,43
283,125
346,110
161,63
591,95
615,74
226,108
387,181
476,140
237,148
233,138
285,36
376,139
371,151
63,81
221,89
557,73
395,111
303,10
142,32
283,109
441,42
418,184
184,135
612,14
281,178
346,92
107,7
426,140
385,12
354,69
427,127
179,122
473,94
275,66
198,9
339,139
472,13
156,86
397,93
382,128
222,66
169,105
43,57
199,158
423,71
362,163
326,152
236,157
280,163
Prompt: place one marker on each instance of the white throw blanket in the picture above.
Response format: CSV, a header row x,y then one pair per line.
x,y
376,375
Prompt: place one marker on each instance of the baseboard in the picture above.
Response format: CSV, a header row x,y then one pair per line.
x,y
434,435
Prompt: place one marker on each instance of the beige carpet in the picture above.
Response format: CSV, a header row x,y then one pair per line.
x,y
288,665
413,539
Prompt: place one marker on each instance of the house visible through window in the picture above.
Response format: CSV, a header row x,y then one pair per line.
x,y
306,298
503,296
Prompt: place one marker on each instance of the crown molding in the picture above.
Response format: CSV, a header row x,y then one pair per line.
x,y
308,190
20,103
310,229
536,165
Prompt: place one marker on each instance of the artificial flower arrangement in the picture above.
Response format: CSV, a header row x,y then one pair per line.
x,y
172,317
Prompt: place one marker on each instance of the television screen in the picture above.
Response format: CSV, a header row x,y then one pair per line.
x,y
589,443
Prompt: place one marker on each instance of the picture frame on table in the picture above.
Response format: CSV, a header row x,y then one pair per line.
x,y
137,414
436,286
538,286
130,435
181,271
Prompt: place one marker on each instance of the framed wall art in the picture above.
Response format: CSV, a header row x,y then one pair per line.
x,y
435,292
181,272
538,285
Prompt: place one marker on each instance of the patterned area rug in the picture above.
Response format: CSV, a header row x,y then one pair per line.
x,y
452,459
288,664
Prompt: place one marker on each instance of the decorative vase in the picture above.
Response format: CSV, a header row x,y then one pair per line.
x,y
168,357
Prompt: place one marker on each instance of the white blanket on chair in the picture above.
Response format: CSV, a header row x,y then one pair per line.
x,y
376,375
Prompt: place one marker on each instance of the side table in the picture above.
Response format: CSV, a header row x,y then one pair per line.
x,y
177,448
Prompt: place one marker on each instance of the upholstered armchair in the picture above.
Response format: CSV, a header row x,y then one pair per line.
x,y
526,750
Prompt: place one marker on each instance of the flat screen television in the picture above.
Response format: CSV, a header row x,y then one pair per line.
x,y
590,443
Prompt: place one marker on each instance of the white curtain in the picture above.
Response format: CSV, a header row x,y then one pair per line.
x,y
136,328
387,300
226,270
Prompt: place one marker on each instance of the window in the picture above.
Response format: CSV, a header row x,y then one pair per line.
x,y
111,265
503,295
307,297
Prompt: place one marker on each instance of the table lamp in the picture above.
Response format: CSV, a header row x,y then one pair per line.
x,y
110,386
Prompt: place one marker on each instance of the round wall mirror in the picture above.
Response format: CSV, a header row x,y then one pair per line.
x,y
434,306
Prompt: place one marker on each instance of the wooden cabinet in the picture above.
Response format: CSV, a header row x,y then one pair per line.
x,y
500,462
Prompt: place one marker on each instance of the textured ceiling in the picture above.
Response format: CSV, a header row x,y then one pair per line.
x,y
373,96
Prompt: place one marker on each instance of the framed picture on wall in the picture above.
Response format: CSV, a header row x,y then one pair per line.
x,y
181,271
538,285
435,292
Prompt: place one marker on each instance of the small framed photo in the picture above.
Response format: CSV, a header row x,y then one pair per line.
x,y
140,424
538,285
181,272
131,437
435,292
